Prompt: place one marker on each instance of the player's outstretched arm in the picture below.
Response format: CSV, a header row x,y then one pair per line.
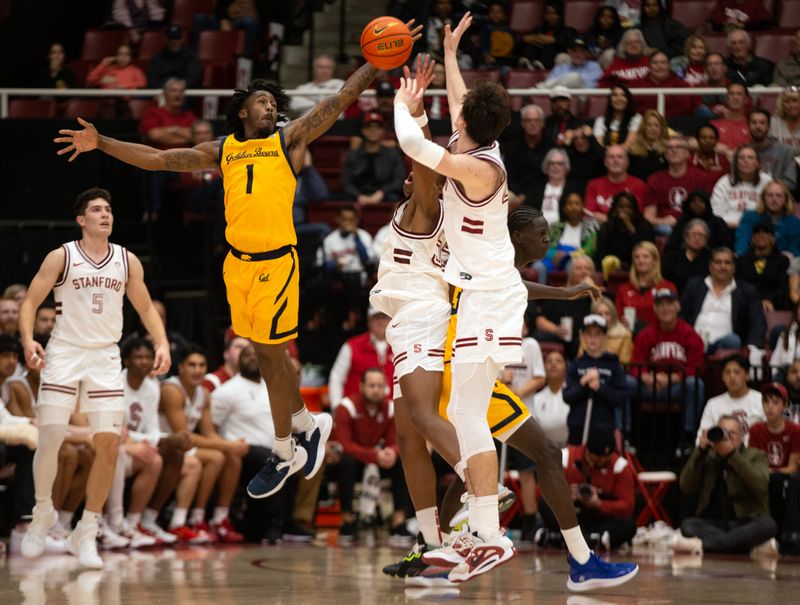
x,y
456,88
141,301
540,292
202,156
40,287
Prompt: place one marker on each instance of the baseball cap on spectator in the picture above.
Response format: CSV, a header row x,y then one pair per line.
x,y
372,117
578,42
560,92
601,440
664,294
384,89
775,388
173,32
594,320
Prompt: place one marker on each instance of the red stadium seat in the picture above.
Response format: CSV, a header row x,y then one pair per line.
x,y
692,13
790,15
152,43
184,10
595,106
99,44
775,47
31,108
82,108
81,69
218,75
766,101
717,43
139,106
474,75
525,16
219,46
580,14
522,78
328,154
776,319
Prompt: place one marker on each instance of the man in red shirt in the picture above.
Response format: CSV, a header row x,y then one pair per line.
x,y
600,192
230,361
667,358
780,439
671,187
733,128
363,426
602,489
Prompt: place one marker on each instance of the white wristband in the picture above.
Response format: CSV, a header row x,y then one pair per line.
x,y
422,120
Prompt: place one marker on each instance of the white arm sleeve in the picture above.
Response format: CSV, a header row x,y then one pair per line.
x,y
413,142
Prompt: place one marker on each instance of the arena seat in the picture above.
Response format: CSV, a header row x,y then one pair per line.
x,y
774,46
525,16
139,106
471,76
692,13
184,10
83,108
99,44
220,46
152,43
328,155
790,15
595,106
31,108
717,43
522,78
580,14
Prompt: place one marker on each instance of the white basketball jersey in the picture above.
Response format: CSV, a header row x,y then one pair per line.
x,y
141,405
89,297
481,253
192,407
411,266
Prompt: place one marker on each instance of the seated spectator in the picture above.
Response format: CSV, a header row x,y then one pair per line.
x,y
659,75
524,153
373,173
698,205
779,439
630,62
602,484
785,124
580,72
660,30
743,66
777,159
725,475
787,72
233,346
625,228
358,354
175,61
716,75
673,354
595,375
365,431
726,313
692,258
706,157
45,319
573,235
310,188
550,38
620,123
137,16
9,316
117,72
601,191
649,146
249,17
787,349
16,291
765,267
738,192
634,299
733,128
604,35
561,119
731,15
548,195
497,41
671,187
56,74
619,339
585,156
548,408
323,84
691,65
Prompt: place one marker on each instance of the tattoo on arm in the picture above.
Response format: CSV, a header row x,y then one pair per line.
x,y
182,160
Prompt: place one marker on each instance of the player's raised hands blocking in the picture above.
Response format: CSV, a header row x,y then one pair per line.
x,y
423,76
162,361
409,93
453,37
78,141
416,32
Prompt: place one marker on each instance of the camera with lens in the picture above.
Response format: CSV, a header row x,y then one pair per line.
x,y
585,490
716,434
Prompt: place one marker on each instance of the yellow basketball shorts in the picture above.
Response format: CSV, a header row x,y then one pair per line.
x,y
264,297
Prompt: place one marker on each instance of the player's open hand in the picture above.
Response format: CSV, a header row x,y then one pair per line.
x,y
423,76
162,361
78,141
416,32
584,289
34,354
408,93
452,38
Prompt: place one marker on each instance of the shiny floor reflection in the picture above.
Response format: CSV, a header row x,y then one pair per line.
x,y
293,575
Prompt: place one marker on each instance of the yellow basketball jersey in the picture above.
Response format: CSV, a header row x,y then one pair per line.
x,y
259,184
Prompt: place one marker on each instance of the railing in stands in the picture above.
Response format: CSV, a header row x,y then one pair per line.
x,y
660,93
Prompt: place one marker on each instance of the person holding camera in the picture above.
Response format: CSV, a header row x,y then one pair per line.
x,y
731,482
602,485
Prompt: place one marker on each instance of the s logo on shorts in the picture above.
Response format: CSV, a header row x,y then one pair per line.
x,y
489,335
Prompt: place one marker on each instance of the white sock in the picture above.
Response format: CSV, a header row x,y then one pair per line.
x,y
90,518
134,519
178,517
471,511
428,519
197,517
150,517
485,515
302,421
283,447
65,518
576,544
220,514
460,467
115,517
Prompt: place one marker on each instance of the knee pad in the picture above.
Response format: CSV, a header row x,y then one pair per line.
x,y
469,402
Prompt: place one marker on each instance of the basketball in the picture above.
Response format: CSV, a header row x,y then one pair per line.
x,y
386,43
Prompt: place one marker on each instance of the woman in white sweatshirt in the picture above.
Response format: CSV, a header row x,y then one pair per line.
x,y
739,191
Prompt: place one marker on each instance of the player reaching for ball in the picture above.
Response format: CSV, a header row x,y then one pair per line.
x,y
259,163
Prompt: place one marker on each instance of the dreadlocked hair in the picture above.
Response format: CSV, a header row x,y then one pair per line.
x,y
522,217
234,106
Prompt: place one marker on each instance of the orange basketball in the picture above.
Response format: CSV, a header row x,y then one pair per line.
x,y
386,43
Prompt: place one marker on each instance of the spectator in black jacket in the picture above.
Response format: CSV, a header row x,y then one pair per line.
x,y
704,301
595,383
176,60
660,30
698,205
561,120
586,156
549,38
523,153
373,173
625,228
692,259
765,267
743,66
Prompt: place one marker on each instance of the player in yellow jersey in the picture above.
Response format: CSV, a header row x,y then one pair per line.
x,y
259,163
